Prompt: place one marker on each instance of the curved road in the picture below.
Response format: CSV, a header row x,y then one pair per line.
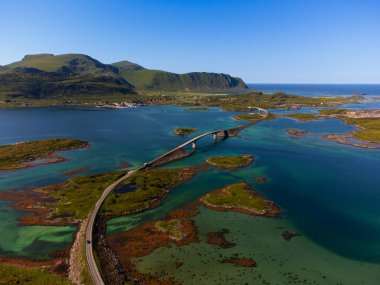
x,y
94,271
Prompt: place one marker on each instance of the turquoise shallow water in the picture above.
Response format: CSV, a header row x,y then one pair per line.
x,y
33,241
298,261
328,192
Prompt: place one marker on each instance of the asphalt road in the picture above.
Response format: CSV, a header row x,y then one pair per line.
x,y
94,271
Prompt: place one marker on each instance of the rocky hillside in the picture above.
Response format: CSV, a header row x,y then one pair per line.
x,y
77,75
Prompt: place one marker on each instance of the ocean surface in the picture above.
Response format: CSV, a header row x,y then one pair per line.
x,y
328,192
314,90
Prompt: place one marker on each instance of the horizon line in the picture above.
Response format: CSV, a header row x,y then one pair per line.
x,y
319,83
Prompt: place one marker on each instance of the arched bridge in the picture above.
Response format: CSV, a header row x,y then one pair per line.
x,y
179,151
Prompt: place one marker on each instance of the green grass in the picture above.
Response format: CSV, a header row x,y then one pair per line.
x,y
156,95
13,156
80,194
248,117
153,79
10,274
241,102
171,227
370,131
184,131
238,195
303,117
50,63
333,112
369,127
152,185
230,161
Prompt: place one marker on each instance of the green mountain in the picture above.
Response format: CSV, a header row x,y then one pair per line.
x,y
127,66
147,79
61,76
77,75
65,63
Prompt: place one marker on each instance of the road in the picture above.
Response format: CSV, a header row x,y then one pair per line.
x,y
94,271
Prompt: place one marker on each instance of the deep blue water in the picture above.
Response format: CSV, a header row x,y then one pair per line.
x,y
313,90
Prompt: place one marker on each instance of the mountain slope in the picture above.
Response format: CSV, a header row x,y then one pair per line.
x,y
37,84
66,63
44,76
61,76
146,79
127,66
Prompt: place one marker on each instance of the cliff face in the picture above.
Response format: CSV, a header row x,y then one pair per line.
x,y
195,81
202,81
73,75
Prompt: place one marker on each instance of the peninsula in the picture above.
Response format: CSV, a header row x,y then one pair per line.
x,y
33,153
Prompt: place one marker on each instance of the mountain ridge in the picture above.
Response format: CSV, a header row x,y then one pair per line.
x,y
66,75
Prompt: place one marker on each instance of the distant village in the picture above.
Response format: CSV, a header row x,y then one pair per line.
x,y
121,105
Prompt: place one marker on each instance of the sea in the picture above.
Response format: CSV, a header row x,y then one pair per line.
x,y
315,90
328,192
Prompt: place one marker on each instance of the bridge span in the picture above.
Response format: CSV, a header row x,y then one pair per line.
x,y
172,155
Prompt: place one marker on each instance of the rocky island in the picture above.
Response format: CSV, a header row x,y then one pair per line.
x,y
240,197
230,162
296,133
184,131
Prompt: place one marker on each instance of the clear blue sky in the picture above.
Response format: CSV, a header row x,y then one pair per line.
x,y
267,41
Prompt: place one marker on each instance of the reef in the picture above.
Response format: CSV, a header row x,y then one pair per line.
x,y
219,239
296,133
177,228
289,235
240,261
260,179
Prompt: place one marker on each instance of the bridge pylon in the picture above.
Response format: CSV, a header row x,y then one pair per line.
x,y
193,145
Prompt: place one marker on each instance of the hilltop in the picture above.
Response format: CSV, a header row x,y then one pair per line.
x,y
48,76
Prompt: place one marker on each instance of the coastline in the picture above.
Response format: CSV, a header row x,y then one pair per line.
x,y
345,139
50,158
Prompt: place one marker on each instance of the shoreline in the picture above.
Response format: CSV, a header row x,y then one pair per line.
x,y
339,138
344,139
48,159
271,209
